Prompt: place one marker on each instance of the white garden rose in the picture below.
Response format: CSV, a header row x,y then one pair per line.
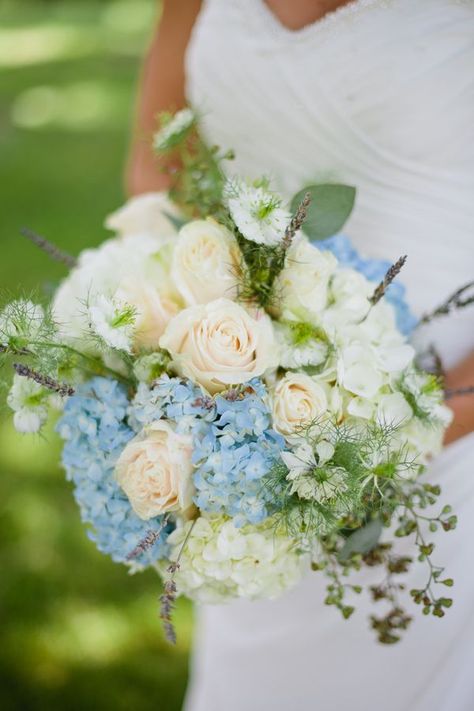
x,y
155,471
206,262
153,311
220,344
145,214
101,271
298,401
303,283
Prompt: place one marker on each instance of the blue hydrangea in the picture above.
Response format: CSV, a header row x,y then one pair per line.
x,y
174,399
374,270
234,455
233,443
95,432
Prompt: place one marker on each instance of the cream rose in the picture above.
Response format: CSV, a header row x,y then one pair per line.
x,y
206,262
144,214
303,283
298,400
220,344
155,471
153,311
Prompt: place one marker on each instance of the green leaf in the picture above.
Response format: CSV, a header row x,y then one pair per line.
x,y
177,222
331,205
363,540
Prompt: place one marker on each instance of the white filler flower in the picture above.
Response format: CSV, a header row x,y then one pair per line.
x,y
220,562
257,212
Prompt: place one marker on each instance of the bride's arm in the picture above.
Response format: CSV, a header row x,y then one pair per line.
x,y
462,376
161,88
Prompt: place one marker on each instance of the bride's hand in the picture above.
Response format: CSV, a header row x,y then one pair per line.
x,y
462,376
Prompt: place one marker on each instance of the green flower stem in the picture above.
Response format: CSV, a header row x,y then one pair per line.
x,y
98,365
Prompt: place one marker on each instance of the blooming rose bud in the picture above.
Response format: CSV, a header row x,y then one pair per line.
x,y
206,262
220,344
298,401
155,471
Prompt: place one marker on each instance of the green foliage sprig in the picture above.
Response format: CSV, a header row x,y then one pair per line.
x,y
381,488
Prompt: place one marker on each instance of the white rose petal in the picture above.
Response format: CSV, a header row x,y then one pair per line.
x,y
303,283
153,311
298,401
220,344
144,214
206,262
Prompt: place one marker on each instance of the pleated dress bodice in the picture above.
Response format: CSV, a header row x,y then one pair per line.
x,y
378,94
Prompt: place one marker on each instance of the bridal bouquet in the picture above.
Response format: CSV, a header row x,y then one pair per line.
x,y
238,403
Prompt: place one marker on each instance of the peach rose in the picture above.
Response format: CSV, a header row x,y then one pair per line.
x,y
155,471
206,262
298,400
153,311
220,344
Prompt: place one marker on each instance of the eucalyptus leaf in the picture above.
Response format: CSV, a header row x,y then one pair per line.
x,y
328,211
363,540
177,222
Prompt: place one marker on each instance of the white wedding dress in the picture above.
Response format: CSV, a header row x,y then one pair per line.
x,y
379,95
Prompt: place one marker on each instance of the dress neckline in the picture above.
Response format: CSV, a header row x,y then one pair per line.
x,y
277,27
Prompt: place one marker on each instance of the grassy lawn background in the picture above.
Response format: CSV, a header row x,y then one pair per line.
x,y
76,631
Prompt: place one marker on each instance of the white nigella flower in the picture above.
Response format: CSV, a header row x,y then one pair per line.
x,y
296,351
257,212
299,462
28,400
21,320
172,132
310,480
113,321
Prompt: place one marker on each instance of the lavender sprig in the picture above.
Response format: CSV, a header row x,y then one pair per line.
x,y
296,221
148,541
25,371
168,602
391,274
454,392
454,302
168,597
49,248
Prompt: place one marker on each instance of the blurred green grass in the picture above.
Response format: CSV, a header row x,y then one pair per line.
x,y
76,631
